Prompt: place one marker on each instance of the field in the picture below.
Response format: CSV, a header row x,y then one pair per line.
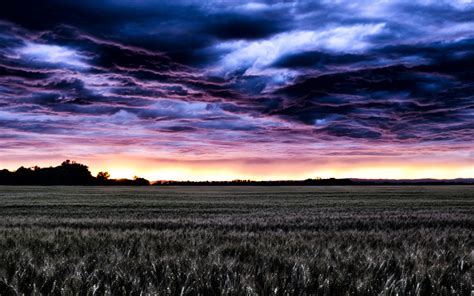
x,y
237,240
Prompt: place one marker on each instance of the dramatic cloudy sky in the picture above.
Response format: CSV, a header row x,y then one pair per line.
x,y
238,89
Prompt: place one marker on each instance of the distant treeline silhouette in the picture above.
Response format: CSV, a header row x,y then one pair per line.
x,y
317,182
307,182
68,173
73,173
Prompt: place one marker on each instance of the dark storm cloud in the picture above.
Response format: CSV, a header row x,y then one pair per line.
x,y
183,29
241,26
266,71
317,59
401,101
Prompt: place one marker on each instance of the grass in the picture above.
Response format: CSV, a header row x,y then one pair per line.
x,y
237,241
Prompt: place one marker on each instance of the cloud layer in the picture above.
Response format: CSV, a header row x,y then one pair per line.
x,y
203,80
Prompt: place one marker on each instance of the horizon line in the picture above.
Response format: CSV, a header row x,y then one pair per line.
x,y
252,180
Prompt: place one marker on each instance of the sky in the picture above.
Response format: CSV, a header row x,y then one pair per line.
x,y
222,90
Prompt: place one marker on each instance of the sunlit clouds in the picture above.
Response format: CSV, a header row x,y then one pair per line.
x,y
50,54
257,90
260,54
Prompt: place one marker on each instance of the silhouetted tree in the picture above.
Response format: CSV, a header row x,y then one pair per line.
x,y
24,176
140,181
72,173
103,178
6,177
103,175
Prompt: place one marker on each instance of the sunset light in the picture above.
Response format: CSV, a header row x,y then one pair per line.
x,y
256,90
240,148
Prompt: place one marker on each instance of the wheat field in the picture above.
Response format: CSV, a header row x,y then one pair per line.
x,y
407,240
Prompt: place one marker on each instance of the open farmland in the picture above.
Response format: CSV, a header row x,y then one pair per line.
x,y
403,240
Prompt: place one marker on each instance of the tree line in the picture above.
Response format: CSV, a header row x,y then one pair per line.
x,y
307,182
73,173
68,173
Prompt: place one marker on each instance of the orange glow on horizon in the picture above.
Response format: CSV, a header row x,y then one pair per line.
x,y
121,166
233,172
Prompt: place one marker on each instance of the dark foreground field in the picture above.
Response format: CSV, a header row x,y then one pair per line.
x,y
236,241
